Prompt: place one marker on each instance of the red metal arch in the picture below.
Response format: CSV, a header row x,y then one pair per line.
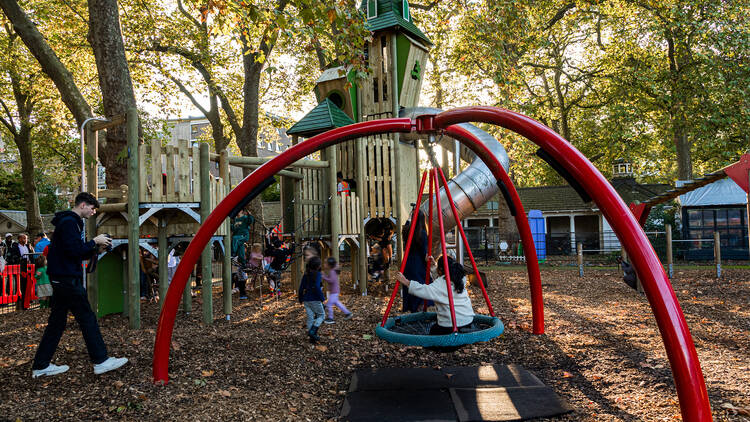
x,y
680,349
686,370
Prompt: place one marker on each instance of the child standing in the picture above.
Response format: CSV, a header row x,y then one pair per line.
x,y
311,295
43,288
332,278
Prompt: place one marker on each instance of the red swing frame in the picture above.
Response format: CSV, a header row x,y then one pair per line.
x,y
686,370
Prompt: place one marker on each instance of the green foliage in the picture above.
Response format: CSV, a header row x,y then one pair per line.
x,y
12,195
272,193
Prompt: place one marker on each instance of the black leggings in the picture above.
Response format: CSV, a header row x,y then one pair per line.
x,y
439,330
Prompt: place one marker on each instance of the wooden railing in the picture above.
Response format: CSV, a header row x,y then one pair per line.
x,y
349,210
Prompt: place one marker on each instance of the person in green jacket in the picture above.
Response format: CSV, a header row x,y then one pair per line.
x,y
241,234
43,288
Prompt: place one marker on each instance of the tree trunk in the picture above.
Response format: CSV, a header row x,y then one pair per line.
x,y
682,146
33,215
247,139
115,83
48,60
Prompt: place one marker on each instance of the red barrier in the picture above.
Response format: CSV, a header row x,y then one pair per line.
x,y
10,283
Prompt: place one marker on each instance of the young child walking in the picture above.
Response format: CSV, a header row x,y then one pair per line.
x,y
311,295
43,288
332,279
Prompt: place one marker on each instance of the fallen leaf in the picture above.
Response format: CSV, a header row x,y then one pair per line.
x,y
306,395
118,384
567,374
321,348
207,373
225,393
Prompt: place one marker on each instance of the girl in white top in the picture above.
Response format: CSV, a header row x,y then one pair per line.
x,y
437,292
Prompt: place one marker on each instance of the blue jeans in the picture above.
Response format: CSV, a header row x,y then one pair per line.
x,y
71,297
315,313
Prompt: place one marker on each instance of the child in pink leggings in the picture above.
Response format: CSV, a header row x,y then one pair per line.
x,y
331,276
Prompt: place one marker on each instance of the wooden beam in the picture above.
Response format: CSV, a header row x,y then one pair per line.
x,y
312,164
226,273
205,191
134,299
287,173
114,121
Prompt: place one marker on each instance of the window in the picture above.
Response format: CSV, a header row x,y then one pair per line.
x,y
492,205
694,218
198,129
385,88
336,98
405,9
376,92
708,218
734,217
372,9
721,218
383,54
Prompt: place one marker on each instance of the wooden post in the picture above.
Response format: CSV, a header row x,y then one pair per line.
x,y
226,273
717,253
579,255
125,282
205,191
187,295
134,189
335,201
297,264
397,201
670,266
92,148
163,275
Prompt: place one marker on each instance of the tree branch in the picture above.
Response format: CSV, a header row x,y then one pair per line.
x,y
559,15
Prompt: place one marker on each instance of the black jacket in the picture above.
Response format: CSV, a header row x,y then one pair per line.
x,y
14,256
68,247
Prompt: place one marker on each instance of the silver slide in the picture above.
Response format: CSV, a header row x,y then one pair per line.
x,y
472,187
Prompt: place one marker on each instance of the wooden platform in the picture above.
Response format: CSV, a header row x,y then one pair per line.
x,y
485,393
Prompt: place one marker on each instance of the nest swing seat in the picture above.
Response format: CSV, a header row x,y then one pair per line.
x,y
414,329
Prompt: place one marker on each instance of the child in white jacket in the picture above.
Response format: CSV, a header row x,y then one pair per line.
x,y
437,292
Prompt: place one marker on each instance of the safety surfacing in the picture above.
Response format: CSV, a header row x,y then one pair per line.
x,y
464,394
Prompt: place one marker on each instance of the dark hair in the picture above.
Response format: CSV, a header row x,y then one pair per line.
x,y
41,261
87,198
276,243
339,175
313,265
41,234
331,261
456,272
418,231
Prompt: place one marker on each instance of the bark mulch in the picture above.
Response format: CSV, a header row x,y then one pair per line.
x,y
602,353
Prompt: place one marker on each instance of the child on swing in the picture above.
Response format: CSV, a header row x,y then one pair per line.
x,y
438,292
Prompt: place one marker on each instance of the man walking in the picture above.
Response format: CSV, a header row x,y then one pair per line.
x,y
67,250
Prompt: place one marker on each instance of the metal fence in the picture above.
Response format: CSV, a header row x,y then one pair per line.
x,y
489,244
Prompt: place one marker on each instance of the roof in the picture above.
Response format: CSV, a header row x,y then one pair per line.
x,y
565,198
323,117
19,218
390,15
332,74
721,192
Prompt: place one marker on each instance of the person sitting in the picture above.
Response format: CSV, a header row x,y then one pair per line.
x,y
376,262
342,187
438,292
279,256
415,268
240,234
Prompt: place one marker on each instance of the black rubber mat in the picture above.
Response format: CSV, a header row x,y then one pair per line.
x,y
485,393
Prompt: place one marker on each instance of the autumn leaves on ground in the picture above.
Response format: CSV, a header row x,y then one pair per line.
x,y
602,352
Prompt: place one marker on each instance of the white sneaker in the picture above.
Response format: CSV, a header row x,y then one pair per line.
x,y
109,365
49,370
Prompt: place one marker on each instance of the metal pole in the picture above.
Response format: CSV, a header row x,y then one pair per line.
x,y
207,285
134,299
579,255
670,267
717,253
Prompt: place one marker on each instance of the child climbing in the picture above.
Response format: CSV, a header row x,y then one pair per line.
x,y
43,288
255,264
332,279
311,295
